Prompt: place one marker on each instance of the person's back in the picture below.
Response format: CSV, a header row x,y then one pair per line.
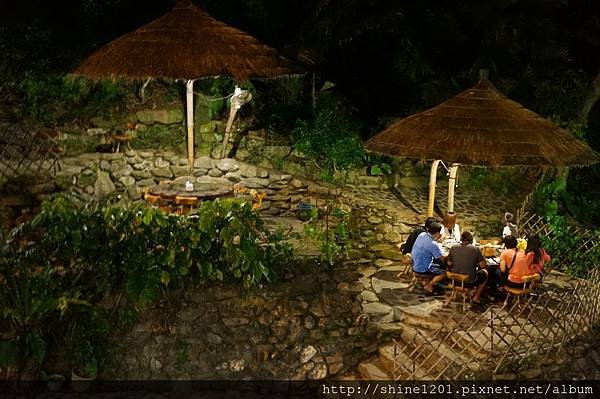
x,y
537,267
516,264
410,241
536,256
423,252
465,258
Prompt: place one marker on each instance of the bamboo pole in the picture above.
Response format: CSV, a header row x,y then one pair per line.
x,y
451,185
189,102
232,111
432,179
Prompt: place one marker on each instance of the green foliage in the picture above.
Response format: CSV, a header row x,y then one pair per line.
x,y
89,342
144,249
331,139
331,234
548,197
565,247
160,136
378,164
30,297
56,99
55,269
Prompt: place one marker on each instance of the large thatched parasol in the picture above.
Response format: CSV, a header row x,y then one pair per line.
x,y
480,126
184,44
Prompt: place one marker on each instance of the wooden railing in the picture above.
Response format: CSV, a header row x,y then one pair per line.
x,y
502,339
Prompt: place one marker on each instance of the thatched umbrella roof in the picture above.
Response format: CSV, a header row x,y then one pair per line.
x,y
185,43
480,126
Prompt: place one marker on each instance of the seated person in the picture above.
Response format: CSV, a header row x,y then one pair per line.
x,y
425,251
536,255
407,247
450,229
468,259
510,228
513,263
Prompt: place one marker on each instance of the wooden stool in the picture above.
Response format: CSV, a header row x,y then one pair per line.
x,y
186,203
121,139
457,283
421,278
407,262
528,282
153,199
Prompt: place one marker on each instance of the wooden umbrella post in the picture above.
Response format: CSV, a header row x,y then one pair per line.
x,y
432,179
189,97
450,217
232,111
451,185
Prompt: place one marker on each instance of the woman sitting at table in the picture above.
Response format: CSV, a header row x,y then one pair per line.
x,y
536,256
513,263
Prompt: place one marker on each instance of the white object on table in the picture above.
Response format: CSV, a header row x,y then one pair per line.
x,y
189,186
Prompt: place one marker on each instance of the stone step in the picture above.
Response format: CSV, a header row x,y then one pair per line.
x,y
374,370
405,366
437,354
391,327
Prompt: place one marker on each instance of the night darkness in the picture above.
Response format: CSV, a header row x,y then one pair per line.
x,y
388,57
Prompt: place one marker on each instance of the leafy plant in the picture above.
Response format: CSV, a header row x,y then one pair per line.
x,y
331,139
56,99
89,342
378,164
331,234
159,136
30,297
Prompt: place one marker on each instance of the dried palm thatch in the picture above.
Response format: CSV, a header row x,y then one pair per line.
x,y
480,126
185,43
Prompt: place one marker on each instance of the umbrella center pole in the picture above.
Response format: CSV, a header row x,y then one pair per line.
x,y
451,185
189,97
432,180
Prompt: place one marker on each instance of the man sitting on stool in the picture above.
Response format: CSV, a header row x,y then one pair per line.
x,y
464,259
407,247
425,251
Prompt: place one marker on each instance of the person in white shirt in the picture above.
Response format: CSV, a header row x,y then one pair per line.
x,y
510,229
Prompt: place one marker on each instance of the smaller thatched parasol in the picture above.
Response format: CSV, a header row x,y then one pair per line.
x,y
184,44
480,126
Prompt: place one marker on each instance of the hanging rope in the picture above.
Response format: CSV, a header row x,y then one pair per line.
x,y
215,99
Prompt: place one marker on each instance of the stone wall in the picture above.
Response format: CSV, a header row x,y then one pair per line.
x,y
379,229
306,326
94,176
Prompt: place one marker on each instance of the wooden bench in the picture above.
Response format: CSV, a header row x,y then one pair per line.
x,y
457,283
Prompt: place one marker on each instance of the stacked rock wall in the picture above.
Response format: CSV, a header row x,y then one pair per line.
x,y
304,327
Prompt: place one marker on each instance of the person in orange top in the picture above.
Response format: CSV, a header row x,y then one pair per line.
x,y
536,255
513,262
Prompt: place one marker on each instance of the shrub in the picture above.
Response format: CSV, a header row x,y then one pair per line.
x,y
331,139
56,99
